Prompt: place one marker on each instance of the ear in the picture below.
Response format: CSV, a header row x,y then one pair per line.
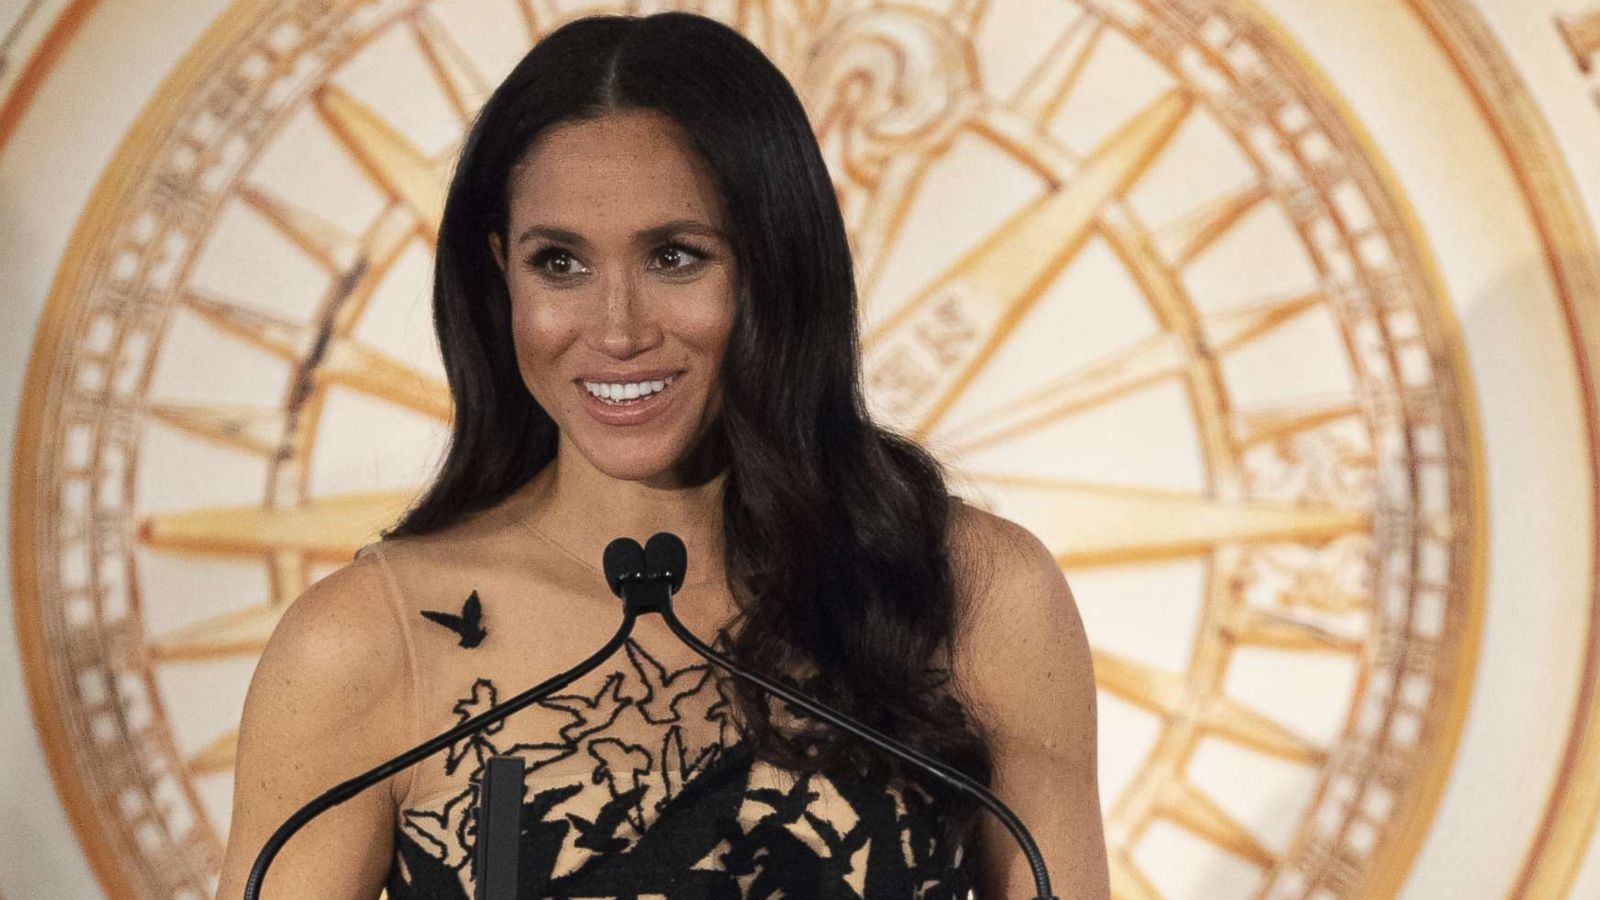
x,y
499,253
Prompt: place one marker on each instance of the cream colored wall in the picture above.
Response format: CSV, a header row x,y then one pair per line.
x,y
46,173
1540,533
1390,69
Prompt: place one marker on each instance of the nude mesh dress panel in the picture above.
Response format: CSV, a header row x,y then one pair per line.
x,y
639,784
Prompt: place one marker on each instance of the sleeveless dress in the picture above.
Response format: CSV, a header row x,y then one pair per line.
x,y
638,782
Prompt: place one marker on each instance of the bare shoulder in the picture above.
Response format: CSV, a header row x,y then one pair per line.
x,y
328,701
338,636
1003,571
1023,663
1019,631
336,668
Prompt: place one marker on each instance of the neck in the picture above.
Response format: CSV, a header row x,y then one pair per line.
x,y
582,509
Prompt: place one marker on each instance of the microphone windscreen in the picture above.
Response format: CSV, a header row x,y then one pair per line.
x,y
664,554
624,558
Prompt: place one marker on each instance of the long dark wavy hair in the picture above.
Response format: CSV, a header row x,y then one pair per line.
x,y
835,528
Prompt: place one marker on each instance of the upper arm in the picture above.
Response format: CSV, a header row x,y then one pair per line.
x,y
324,705
1022,661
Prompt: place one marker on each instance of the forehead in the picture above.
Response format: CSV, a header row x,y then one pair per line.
x,y
626,167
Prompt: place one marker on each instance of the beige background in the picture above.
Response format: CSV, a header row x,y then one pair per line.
x,y
1452,154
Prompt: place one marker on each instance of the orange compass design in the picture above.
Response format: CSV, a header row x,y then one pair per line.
x,y
1129,267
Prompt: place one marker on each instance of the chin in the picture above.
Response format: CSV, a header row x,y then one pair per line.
x,y
645,466
644,473
662,457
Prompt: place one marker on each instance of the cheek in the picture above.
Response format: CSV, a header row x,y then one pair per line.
x,y
707,323
540,333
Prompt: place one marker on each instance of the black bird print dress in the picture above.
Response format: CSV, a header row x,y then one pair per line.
x,y
638,784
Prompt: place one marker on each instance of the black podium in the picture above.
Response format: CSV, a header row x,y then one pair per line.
x,y
496,856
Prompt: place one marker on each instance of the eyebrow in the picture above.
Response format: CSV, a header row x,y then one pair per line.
x,y
645,236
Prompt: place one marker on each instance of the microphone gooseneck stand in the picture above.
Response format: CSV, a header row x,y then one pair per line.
x,y
645,578
343,791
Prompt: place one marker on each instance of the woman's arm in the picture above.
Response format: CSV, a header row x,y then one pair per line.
x,y
329,700
1023,661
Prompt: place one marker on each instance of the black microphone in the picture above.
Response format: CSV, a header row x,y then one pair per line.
x,y
647,578
623,560
665,557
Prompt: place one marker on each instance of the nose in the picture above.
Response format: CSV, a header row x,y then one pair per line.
x,y
627,325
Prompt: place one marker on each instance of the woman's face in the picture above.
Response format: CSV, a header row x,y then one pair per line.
x,y
622,283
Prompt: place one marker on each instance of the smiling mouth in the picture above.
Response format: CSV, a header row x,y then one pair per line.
x,y
624,393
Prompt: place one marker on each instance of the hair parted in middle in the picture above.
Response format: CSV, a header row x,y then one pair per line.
x,y
835,528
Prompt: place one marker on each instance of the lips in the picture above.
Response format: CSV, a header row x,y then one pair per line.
x,y
610,375
619,392
628,412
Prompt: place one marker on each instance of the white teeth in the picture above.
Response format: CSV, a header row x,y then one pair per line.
x,y
617,392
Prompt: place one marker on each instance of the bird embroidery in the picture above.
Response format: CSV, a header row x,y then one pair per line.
x,y
469,625
663,690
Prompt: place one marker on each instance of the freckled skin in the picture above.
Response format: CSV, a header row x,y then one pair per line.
x,y
615,303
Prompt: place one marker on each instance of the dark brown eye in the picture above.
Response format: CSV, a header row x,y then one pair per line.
x,y
681,257
543,258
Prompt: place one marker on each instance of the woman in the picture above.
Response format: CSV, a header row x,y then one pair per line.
x,y
644,300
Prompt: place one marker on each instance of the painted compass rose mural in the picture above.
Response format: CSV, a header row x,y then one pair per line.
x,y
1292,373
